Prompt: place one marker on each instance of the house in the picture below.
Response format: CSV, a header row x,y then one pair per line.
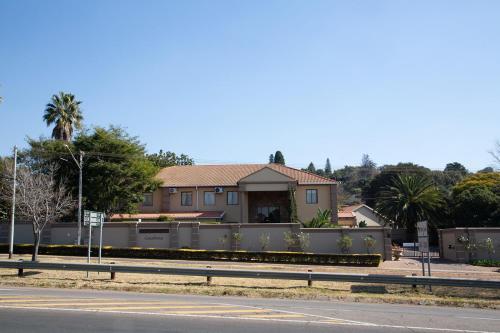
x,y
353,215
238,193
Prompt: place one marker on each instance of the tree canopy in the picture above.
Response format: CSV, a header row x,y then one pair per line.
x,y
165,159
64,111
279,158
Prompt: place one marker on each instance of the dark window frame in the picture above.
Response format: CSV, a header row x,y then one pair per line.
x,y
191,202
315,202
205,198
237,198
147,204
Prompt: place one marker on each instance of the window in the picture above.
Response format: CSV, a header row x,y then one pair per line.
x,y
312,196
209,199
232,198
148,199
268,214
186,198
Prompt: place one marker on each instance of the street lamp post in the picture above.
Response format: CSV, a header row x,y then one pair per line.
x,y
79,164
13,212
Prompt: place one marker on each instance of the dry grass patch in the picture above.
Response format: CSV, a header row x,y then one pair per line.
x,y
470,297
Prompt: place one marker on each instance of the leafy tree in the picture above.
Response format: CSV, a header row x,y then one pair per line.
x,y
64,112
116,170
385,178
409,199
5,183
476,201
279,158
271,158
311,168
456,167
328,167
168,158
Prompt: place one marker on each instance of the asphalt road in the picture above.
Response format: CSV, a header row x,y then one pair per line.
x,y
63,310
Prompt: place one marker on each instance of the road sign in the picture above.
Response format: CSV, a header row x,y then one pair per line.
x,y
423,244
422,229
93,219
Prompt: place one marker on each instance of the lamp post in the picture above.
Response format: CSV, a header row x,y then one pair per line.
x,y
79,164
13,212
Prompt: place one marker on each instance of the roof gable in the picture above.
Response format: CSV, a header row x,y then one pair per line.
x,y
266,175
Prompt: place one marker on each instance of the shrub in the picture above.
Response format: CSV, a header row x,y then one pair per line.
x,y
304,241
363,224
264,241
371,260
345,243
369,243
486,262
164,218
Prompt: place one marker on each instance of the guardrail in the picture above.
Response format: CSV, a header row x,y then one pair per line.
x,y
255,274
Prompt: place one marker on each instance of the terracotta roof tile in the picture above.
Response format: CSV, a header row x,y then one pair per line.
x,y
173,215
228,175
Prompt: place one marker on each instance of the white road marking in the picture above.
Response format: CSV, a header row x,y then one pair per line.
x,y
333,321
481,318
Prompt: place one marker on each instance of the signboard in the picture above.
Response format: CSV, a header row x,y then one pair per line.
x,y
93,219
423,236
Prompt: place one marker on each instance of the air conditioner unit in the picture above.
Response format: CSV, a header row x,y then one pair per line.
x,y
172,190
219,190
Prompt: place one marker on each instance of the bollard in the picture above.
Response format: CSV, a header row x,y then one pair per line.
x,y
414,286
113,274
309,282
209,278
20,271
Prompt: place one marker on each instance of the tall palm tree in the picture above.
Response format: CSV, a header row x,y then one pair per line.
x,y
64,111
409,199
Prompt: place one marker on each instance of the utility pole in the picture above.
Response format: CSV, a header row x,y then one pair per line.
x,y
13,213
80,167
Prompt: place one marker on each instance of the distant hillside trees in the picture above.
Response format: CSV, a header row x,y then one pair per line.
x,y
165,159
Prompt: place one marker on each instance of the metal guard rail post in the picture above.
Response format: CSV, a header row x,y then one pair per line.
x,y
256,274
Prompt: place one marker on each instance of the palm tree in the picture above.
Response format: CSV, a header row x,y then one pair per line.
x,y
321,220
64,111
409,199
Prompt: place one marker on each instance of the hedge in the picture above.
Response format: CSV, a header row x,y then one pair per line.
x,y
372,260
486,262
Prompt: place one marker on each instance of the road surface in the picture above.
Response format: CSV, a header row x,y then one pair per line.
x,y
63,310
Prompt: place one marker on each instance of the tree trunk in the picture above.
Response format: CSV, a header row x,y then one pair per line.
x,y
37,235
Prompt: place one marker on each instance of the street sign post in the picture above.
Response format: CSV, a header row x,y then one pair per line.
x,y
93,219
423,246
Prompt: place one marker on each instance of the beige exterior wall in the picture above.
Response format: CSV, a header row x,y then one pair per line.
x,y
232,211
156,208
307,211
127,234
367,215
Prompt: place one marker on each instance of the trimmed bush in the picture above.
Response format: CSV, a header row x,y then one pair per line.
x,y
486,262
371,260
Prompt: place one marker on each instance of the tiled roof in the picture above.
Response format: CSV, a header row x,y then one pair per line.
x,y
228,175
173,215
346,215
351,208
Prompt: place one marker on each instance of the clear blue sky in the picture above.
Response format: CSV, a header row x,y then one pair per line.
x,y
233,81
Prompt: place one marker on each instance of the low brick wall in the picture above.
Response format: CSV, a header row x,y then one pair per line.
x,y
452,249
194,235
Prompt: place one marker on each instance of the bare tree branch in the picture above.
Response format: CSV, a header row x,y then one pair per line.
x,y
39,198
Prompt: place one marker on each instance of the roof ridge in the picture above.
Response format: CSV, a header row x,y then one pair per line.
x,y
308,172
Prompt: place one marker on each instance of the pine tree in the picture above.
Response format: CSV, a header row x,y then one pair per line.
x,y
311,168
328,167
271,158
279,158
